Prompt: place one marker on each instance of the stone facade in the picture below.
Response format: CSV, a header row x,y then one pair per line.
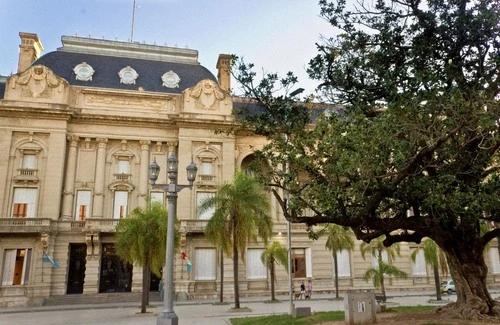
x,y
76,158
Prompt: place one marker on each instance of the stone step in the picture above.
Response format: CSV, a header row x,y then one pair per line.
x,y
98,298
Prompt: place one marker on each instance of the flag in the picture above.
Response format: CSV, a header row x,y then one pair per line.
x,y
47,258
188,265
184,256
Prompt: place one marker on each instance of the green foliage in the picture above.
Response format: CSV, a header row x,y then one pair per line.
x,y
418,126
275,253
141,236
241,208
316,318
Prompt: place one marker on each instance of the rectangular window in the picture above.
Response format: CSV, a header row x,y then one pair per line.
x,y
24,202
344,263
206,168
123,167
205,260
385,258
16,265
200,197
120,204
418,267
255,268
495,260
83,204
29,161
299,263
157,197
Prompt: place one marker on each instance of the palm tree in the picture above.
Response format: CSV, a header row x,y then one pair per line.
x,y
433,257
273,255
376,248
241,215
338,239
140,239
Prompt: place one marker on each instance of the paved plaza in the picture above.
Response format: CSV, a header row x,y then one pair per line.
x,y
189,312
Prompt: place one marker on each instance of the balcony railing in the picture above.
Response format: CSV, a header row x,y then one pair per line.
x,y
26,174
194,226
24,225
101,224
122,177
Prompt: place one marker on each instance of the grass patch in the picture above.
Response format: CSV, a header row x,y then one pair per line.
x,y
410,309
315,318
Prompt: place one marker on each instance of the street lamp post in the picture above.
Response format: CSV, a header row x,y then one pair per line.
x,y
168,316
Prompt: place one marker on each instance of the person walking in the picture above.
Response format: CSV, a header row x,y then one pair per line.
x,y
309,289
302,290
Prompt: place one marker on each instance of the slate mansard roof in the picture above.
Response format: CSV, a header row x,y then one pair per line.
x,y
107,58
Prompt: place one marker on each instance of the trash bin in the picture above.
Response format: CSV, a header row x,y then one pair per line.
x,y
360,307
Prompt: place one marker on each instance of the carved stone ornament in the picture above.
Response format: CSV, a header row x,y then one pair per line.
x,y
37,79
84,72
170,79
207,92
128,76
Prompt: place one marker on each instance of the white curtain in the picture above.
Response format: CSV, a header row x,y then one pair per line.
x,y
27,196
29,161
204,264
123,167
495,260
344,263
9,263
255,268
200,196
83,198
120,207
157,197
308,262
418,267
385,258
207,168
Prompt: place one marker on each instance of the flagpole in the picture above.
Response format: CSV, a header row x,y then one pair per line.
x,y
133,17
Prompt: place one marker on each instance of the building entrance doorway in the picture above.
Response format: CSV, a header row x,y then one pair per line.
x,y
76,271
116,274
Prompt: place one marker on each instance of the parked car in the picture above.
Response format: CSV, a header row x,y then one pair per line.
x,y
448,286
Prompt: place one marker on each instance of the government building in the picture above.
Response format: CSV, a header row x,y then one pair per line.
x,y
79,128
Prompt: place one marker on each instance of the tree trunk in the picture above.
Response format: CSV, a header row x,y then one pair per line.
x,y
382,286
273,296
437,282
235,267
469,271
336,270
145,286
221,298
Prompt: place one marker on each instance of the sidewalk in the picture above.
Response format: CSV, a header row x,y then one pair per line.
x,y
191,312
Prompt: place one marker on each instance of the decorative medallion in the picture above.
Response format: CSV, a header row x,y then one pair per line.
x,y
83,71
170,79
128,76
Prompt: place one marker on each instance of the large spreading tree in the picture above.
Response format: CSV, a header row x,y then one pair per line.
x,y
409,147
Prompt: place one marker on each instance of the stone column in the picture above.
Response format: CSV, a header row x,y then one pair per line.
x,y
69,182
99,178
144,172
91,284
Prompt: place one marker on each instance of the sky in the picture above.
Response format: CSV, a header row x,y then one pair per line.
x,y
276,35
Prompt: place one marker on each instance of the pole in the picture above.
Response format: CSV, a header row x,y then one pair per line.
x,y
289,228
168,316
132,32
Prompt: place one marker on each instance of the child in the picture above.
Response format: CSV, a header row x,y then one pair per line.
x,y
309,289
